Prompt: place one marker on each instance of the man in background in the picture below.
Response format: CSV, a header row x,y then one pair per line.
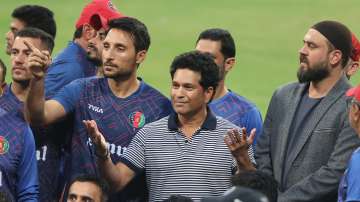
x,y
72,62
227,104
30,16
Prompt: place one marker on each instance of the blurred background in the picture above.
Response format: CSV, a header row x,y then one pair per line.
x,y
267,33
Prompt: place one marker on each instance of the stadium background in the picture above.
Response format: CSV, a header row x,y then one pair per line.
x,y
268,34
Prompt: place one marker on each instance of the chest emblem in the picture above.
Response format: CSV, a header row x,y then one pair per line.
x,y
4,145
137,119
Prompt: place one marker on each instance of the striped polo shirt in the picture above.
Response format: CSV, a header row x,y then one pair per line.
x,y
197,167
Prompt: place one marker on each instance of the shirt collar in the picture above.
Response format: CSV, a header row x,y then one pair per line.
x,y
209,123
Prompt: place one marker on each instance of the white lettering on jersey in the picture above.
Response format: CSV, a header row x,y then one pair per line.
x,y
113,149
95,108
41,153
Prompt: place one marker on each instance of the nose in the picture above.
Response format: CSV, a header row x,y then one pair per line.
x,y
19,59
303,50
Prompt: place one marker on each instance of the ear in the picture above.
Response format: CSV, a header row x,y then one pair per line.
x,y
140,56
335,57
88,32
353,68
209,93
229,63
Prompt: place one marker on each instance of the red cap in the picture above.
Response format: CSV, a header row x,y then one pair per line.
x,y
355,53
354,92
97,13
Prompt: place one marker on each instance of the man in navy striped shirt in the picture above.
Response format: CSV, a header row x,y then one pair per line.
x,y
183,153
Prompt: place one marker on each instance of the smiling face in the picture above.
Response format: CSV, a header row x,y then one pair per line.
x,y
187,95
314,57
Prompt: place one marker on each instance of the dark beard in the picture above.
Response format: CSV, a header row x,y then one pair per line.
x,y
96,61
315,74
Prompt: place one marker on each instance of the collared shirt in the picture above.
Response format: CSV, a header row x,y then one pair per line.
x,y
196,167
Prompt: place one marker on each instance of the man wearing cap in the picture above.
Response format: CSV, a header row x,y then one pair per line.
x,y
307,139
349,188
72,63
353,64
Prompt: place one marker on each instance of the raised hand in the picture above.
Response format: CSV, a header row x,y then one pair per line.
x,y
239,146
97,138
38,61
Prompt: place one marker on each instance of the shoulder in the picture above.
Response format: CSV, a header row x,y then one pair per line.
x,y
159,124
289,87
222,123
241,102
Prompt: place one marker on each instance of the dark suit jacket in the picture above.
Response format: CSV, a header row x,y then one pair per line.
x,y
319,157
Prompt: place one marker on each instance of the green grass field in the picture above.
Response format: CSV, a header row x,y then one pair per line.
x,y
268,34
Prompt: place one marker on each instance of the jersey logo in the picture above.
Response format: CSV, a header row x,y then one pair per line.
x,y
95,108
4,145
137,119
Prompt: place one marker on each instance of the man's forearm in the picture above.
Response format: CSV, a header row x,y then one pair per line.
x,y
114,174
35,102
243,162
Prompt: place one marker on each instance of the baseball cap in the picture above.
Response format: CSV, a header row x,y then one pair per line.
x,y
238,194
97,13
355,53
354,92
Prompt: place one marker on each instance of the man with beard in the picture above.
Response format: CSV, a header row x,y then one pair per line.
x,y
227,104
307,139
94,51
72,62
121,103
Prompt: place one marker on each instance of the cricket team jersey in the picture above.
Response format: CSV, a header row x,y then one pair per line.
x,y
48,148
70,64
18,172
118,119
239,111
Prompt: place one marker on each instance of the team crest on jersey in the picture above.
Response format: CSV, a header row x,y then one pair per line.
x,y
137,119
4,145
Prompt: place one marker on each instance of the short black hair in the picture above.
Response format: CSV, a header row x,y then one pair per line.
x,y
3,67
259,181
78,32
46,39
198,62
228,48
36,16
136,29
92,179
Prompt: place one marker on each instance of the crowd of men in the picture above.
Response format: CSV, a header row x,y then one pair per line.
x,y
85,127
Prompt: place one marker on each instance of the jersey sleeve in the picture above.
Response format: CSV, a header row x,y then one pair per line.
x,y
252,119
134,156
353,178
28,185
69,95
60,74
